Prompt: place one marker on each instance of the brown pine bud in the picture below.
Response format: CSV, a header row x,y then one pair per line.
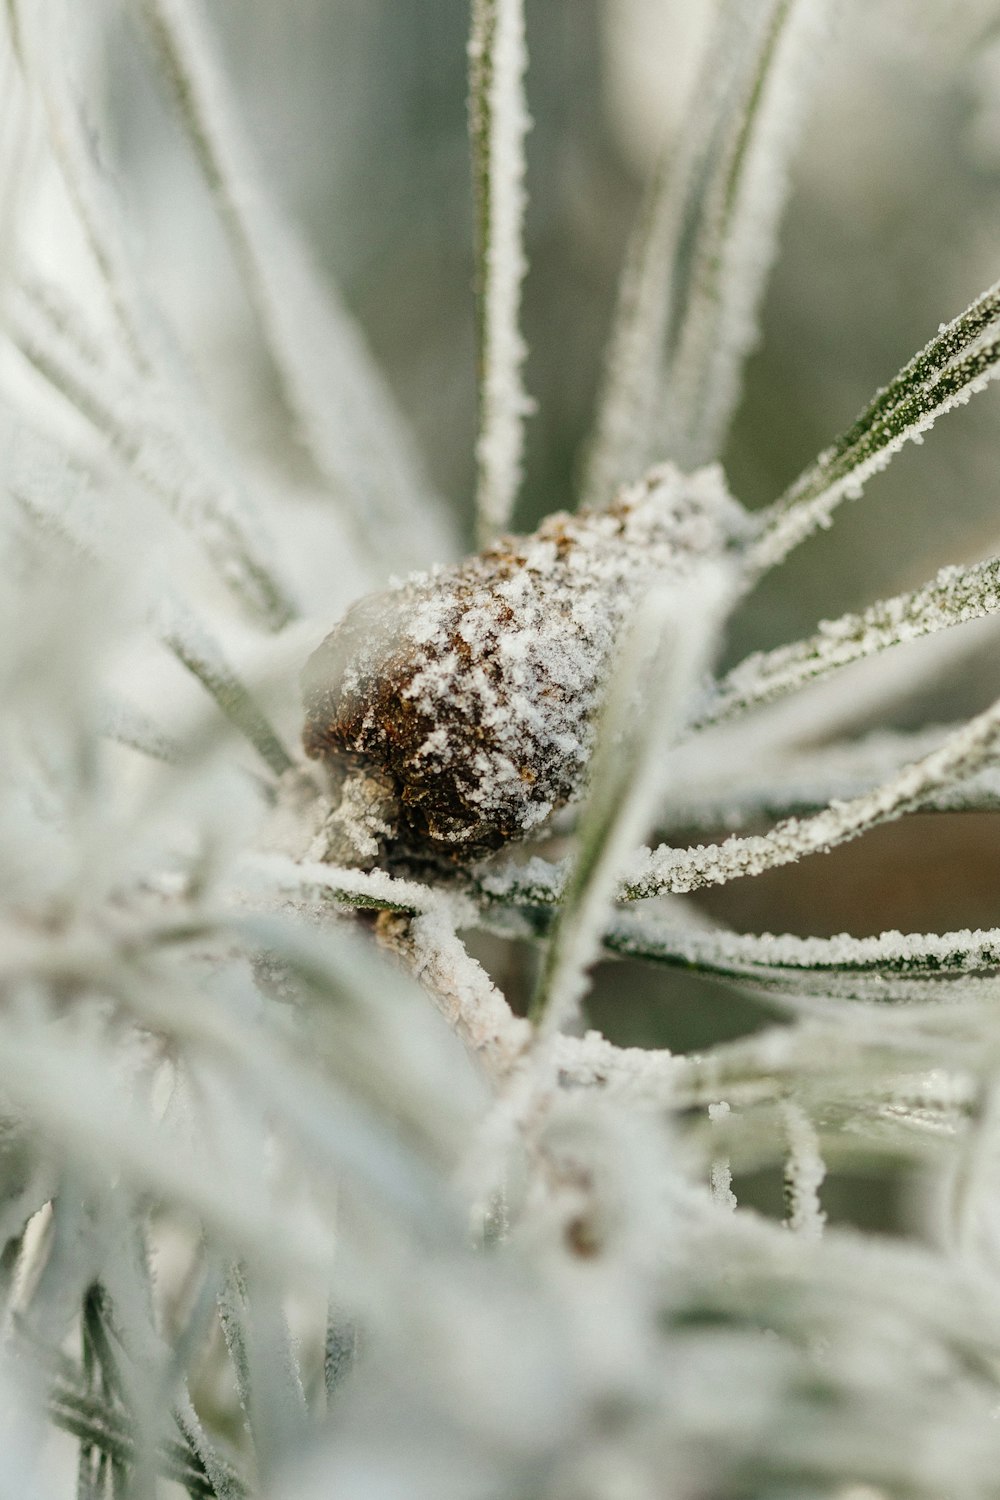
x,y
469,694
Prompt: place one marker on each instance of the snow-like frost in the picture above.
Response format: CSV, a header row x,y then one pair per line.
x,y
799,781
665,654
143,427
805,1170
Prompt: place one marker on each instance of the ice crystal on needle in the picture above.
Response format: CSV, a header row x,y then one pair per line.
x,y
469,693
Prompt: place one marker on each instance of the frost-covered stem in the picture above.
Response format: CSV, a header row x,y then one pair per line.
x,y
761,1068
953,597
498,123
663,657
677,870
343,407
18,154
224,1484
264,1365
681,870
641,1074
129,726
961,360
973,1185
430,949
232,1311
340,1351
703,248
804,1173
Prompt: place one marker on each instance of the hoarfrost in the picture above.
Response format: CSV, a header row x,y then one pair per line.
x,y
805,1170
681,870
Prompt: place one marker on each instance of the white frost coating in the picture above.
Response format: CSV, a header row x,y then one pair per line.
x,y
805,1170
832,706
59,494
41,33
195,646
961,360
721,1173
681,870
340,400
498,123
703,247
182,454
18,153
128,725
722,1184
953,597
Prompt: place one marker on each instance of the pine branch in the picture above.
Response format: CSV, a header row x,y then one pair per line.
x,y
196,649
893,967
798,782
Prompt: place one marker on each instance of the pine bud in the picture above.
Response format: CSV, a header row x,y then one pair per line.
x,y
469,694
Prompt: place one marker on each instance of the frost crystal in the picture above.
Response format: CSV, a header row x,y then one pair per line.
x,y
474,689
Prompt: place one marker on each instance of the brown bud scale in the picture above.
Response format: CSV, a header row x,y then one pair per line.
x,y
471,691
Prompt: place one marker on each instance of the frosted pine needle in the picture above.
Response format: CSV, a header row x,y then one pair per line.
x,y
498,122
955,596
343,407
686,869
703,247
961,360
